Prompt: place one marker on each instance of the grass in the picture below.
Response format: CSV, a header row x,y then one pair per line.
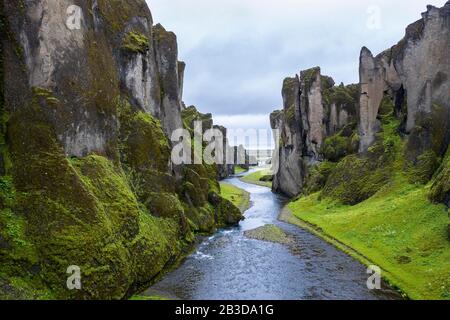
x,y
239,170
240,198
398,229
254,178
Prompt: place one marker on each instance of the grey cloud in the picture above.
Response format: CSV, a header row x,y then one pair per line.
x,y
238,52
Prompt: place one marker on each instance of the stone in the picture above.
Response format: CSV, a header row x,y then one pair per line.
x,y
415,70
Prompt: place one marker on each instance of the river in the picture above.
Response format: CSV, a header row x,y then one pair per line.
x,y
228,266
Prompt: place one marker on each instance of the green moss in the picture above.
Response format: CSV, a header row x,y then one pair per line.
x,y
344,143
424,167
118,13
166,205
318,176
226,213
83,212
240,198
440,189
190,114
144,145
335,148
358,177
103,86
239,170
290,114
427,142
136,42
200,191
308,77
386,108
346,97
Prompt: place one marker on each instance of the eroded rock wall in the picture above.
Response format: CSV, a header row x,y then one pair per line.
x,y
87,111
314,109
415,72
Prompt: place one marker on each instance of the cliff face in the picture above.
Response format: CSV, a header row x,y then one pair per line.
x,y
86,177
314,109
350,141
415,73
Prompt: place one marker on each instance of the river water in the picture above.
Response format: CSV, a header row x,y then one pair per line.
x,y
228,266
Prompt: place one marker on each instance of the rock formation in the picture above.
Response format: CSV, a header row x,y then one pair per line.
x,y
350,141
414,75
227,167
90,95
314,109
415,72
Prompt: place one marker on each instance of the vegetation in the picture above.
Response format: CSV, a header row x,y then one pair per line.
x,y
376,207
398,229
318,177
358,177
440,189
240,198
255,178
308,77
239,170
136,42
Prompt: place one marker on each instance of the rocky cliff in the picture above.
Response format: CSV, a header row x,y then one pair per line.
x,y
90,93
350,141
314,110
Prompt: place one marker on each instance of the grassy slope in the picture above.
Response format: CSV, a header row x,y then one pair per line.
x,y
239,170
240,198
397,229
254,177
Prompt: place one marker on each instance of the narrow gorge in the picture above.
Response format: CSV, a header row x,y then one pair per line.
x,y
369,163
86,172
348,141
91,93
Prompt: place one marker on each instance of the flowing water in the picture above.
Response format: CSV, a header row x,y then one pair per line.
x,y
229,266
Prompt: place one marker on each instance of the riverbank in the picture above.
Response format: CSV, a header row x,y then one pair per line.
x,y
303,268
398,230
239,197
254,178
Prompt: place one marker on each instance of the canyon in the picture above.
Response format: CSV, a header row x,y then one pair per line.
x,y
323,125
87,113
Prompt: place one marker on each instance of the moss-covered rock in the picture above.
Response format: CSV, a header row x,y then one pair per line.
x,y
427,142
227,214
76,212
191,114
266,178
345,97
440,189
335,148
136,42
85,172
318,176
344,143
358,177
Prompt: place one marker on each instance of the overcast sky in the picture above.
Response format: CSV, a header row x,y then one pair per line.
x,y
239,51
